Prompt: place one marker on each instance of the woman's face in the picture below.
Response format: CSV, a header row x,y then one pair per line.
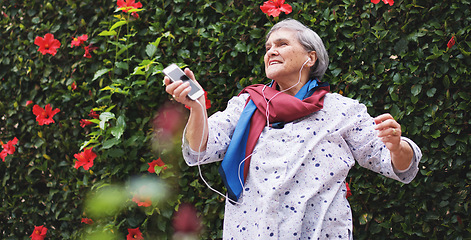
x,y
284,56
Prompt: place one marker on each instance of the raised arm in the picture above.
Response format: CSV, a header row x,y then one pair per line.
x,y
198,120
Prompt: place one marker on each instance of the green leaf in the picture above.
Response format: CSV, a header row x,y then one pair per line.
x,y
100,73
150,50
118,24
108,33
416,89
110,143
450,140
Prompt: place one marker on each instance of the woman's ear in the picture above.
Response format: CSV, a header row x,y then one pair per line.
x,y
313,56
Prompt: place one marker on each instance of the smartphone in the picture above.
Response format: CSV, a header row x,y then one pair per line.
x,y
175,73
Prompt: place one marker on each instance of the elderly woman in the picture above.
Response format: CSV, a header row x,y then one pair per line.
x,y
286,148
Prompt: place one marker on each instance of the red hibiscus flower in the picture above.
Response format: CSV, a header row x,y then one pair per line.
x,y
127,5
88,49
451,43
275,7
186,219
93,114
87,221
73,86
76,42
84,123
154,163
390,2
28,103
85,158
134,233
44,116
39,233
207,101
8,148
47,44
349,192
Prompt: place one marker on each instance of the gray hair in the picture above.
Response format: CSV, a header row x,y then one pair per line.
x,y
310,41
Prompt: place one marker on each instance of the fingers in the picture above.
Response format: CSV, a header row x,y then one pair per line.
x,y
387,126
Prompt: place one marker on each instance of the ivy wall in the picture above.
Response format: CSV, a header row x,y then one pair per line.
x,y
93,161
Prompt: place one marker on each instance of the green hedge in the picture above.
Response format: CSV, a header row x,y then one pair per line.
x,y
391,58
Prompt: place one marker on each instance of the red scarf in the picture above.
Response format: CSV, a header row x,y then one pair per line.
x,y
282,108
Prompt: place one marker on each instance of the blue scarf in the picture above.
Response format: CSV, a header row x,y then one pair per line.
x,y
233,169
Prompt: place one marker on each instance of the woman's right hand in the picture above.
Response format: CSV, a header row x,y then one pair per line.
x,y
179,90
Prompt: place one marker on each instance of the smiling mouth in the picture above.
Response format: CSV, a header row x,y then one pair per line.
x,y
273,63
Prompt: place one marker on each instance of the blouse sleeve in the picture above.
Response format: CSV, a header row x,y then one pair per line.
x,y
370,152
221,127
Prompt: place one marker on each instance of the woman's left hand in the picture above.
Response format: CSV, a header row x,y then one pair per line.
x,y
389,131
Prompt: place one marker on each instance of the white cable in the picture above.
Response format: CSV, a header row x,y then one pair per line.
x,y
267,111
240,164
199,162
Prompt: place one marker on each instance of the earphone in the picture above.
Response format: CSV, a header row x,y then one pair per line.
x,y
240,164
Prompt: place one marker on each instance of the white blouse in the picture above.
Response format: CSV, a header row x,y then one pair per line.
x,y
295,188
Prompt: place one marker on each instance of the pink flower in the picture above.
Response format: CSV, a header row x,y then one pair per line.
x,y
8,148
85,159
47,44
275,7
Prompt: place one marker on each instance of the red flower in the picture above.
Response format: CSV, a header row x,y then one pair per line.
x,y
8,148
390,2
186,219
73,86
44,116
134,233
127,5
93,114
76,42
146,202
85,158
135,15
84,123
47,44
154,163
349,192
142,197
39,233
451,43
87,221
275,7
28,103
207,101
88,49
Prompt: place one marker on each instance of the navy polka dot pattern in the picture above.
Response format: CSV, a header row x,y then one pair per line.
x,y
295,188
